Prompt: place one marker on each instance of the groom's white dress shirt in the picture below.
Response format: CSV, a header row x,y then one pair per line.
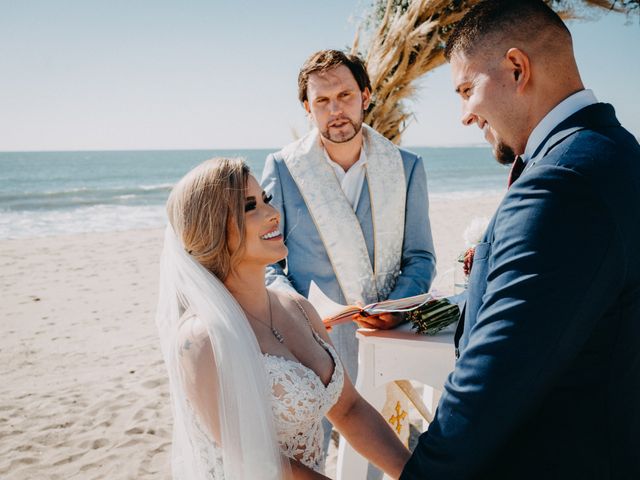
x,y
558,114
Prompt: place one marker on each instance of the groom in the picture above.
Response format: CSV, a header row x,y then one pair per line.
x,y
354,206
547,383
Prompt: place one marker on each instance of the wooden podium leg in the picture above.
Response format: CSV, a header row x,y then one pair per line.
x,y
430,397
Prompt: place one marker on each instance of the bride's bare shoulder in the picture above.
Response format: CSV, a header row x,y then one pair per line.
x,y
293,302
288,300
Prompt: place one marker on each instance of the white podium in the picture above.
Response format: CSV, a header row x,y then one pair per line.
x,y
388,355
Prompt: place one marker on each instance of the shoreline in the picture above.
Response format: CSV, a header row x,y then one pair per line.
x,y
85,391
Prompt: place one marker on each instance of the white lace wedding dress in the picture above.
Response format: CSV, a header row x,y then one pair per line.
x,y
300,401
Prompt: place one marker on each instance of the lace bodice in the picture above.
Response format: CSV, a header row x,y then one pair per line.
x,y
299,402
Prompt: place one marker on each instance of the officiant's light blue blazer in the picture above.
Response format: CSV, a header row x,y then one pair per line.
x,y
308,260
547,385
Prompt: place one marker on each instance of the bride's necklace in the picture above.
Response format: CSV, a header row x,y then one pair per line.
x,y
274,330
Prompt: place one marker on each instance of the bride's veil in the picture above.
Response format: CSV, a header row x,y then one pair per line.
x,y
246,427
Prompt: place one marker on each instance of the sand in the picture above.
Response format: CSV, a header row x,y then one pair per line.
x,y
84,391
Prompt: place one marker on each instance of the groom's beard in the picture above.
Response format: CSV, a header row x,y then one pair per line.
x,y
504,154
347,136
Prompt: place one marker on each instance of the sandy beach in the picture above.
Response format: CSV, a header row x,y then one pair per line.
x,y
84,392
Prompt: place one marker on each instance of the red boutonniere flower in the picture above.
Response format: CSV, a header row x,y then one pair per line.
x,y
473,235
467,261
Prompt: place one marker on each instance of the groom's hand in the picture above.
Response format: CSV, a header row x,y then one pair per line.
x,y
384,321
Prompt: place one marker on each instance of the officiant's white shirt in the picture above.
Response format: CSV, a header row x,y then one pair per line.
x,y
352,180
558,114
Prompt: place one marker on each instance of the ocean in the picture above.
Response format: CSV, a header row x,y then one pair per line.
x,y
59,193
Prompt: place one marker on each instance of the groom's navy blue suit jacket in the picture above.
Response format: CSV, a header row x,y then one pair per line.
x,y
547,385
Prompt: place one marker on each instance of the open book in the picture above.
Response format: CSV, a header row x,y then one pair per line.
x,y
333,313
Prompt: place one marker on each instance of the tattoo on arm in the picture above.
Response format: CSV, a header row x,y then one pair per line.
x,y
186,346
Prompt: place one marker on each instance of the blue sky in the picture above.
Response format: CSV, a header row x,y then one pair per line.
x,y
143,74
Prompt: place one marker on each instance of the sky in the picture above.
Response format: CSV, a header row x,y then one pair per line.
x,y
214,74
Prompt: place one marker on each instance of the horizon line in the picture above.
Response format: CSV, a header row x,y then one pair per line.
x,y
274,149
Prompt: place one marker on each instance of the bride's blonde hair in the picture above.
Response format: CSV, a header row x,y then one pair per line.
x,y
204,205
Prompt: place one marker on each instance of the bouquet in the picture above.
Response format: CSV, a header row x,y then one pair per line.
x,y
433,316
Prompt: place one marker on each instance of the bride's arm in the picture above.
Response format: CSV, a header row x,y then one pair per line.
x,y
199,373
301,472
368,432
361,424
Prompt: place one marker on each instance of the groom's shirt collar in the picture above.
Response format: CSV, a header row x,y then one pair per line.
x,y
558,114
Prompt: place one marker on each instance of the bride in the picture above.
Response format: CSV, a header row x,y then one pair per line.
x,y
252,371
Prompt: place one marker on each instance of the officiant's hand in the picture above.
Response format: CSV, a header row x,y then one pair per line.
x,y
384,321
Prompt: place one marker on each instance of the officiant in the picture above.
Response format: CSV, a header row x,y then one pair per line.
x,y
354,206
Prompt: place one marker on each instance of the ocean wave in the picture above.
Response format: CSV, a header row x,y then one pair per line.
x,y
84,190
467,194
84,196
100,218
160,186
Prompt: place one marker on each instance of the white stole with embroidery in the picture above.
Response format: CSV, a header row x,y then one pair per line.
x,y
337,223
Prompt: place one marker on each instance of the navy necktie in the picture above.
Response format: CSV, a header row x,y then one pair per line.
x,y
516,170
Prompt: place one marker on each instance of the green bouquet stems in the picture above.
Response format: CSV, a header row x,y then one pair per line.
x,y
433,316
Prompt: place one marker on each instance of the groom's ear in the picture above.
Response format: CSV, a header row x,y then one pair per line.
x,y
520,67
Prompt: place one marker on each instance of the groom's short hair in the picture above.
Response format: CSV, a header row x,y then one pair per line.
x,y
325,60
490,21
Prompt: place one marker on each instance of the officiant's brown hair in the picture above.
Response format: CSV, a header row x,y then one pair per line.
x,y
204,206
325,60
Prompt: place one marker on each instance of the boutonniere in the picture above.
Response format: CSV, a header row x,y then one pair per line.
x,y
467,260
472,236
